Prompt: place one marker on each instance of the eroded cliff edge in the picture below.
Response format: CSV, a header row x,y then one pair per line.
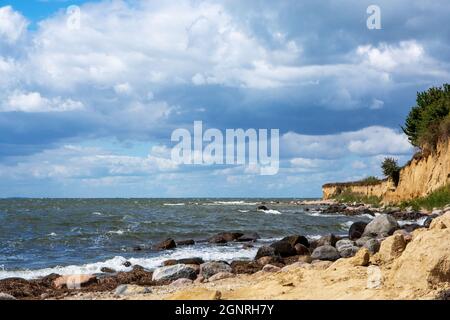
x,y
421,176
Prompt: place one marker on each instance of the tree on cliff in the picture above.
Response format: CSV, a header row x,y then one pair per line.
x,y
429,120
391,169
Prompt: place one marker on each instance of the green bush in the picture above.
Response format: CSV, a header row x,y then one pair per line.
x,y
346,196
391,169
370,180
429,120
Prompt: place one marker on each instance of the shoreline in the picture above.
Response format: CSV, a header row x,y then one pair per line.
x,y
140,283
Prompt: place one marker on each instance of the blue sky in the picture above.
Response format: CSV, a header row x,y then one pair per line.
x,y
88,112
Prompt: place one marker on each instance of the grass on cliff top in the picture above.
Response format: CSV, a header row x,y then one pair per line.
x,y
437,199
348,196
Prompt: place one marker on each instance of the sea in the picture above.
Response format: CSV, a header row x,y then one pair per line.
x,y
80,236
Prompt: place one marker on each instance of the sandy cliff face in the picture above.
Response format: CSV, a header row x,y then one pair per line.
x,y
417,179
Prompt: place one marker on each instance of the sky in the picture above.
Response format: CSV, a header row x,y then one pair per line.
x,y
87,109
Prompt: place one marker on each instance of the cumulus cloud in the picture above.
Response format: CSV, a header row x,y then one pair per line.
x,y
34,102
12,25
368,141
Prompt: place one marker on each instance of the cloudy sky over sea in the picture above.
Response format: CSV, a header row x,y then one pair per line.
x,y
89,111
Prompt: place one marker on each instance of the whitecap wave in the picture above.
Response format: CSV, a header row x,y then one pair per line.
x,y
96,213
174,204
230,203
243,211
270,211
419,221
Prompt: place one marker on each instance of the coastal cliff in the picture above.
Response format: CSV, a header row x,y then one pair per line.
x,y
420,177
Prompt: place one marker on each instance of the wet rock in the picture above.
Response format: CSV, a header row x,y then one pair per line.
x,y
382,225
130,289
247,246
325,252
406,215
107,270
74,281
127,264
262,207
301,250
172,273
167,244
220,276
225,237
361,241
283,248
270,268
265,251
189,242
269,260
356,230
246,267
295,239
428,220
328,240
248,237
195,260
137,248
170,262
372,245
411,227
209,269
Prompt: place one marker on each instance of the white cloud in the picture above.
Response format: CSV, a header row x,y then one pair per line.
x,y
123,88
368,141
12,25
34,102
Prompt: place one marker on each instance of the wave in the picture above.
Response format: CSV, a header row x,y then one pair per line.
x,y
270,211
96,213
419,221
243,211
174,204
227,253
230,203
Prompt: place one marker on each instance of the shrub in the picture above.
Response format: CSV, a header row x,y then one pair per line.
x,y
391,169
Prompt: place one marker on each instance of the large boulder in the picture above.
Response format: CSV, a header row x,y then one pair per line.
x,y
372,245
361,258
283,249
325,252
209,269
167,244
346,248
293,240
301,250
247,267
224,237
382,225
172,273
327,240
356,230
248,237
265,251
188,242
390,249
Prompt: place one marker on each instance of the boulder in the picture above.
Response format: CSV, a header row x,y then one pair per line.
x,y
269,260
220,276
225,237
283,248
325,252
382,225
172,273
5,296
327,240
189,242
247,267
362,241
248,237
346,248
74,281
270,268
262,207
428,220
131,289
107,270
127,264
301,250
372,245
196,267
295,239
265,251
406,235
391,248
442,222
356,230
194,260
167,244
361,258
209,269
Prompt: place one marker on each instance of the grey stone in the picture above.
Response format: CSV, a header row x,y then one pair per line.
x,y
325,252
175,272
382,225
209,269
